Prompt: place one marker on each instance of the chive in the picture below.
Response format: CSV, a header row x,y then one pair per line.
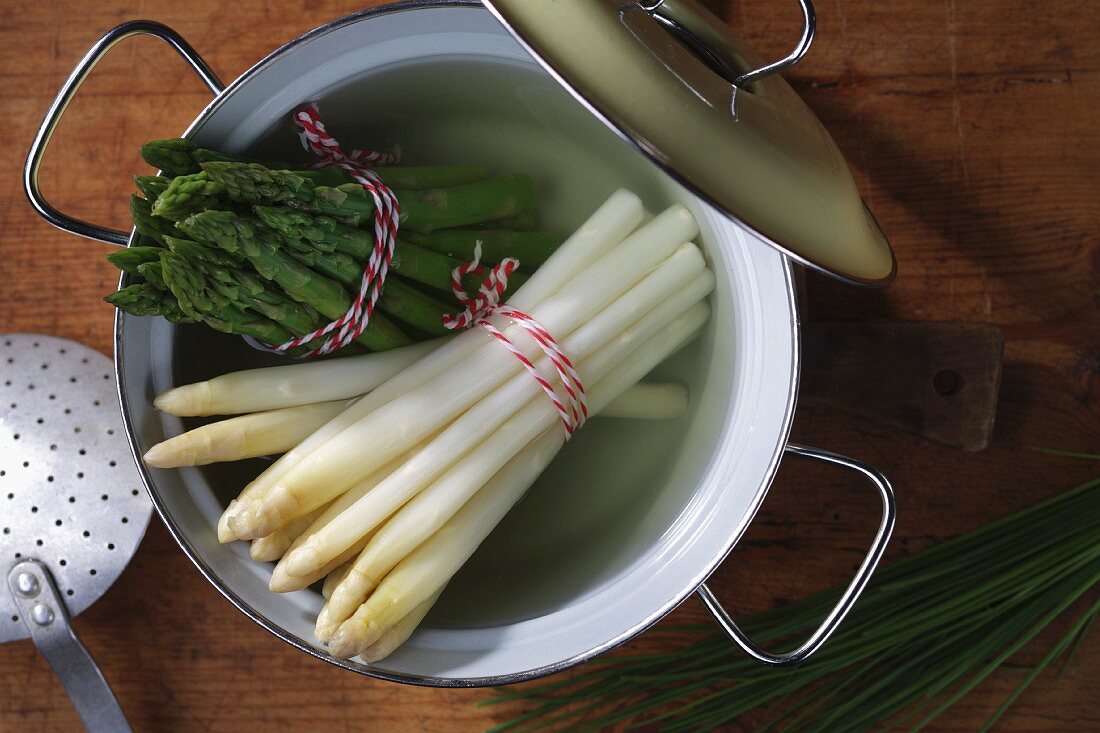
x,y
928,630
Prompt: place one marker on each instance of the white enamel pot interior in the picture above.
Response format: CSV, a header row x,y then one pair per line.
x,y
633,516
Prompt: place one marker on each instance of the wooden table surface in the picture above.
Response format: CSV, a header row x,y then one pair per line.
x,y
972,130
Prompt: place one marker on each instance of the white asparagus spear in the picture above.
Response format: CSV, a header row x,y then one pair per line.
x,y
425,571
256,390
664,294
404,421
237,438
399,633
346,622
411,525
323,572
245,436
333,579
280,581
275,545
650,401
607,227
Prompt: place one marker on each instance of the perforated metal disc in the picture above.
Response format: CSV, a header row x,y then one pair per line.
x,y
70,494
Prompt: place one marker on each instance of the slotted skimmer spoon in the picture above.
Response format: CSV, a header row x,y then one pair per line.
x,y
72,510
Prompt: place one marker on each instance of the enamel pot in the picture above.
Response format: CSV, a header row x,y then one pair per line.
x,y
631,518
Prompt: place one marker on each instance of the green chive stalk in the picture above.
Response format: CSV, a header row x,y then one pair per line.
x,y
928,630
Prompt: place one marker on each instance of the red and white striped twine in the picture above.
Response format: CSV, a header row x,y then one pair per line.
x,y
486,303
477,310
350,326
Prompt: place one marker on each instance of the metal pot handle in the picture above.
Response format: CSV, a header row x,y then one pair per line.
x,y
851,593
65,95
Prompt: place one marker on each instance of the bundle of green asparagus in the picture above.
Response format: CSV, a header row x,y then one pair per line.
x,y
391,494
273,252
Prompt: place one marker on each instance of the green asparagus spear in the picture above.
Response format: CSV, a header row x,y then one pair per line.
x,y
131,259
409,260
399,300
173,156
435,270
239,235
245,323
470,203
530,248
438,208
154,275
151,186
525,221
416,178
245,290
342,268
143,299
148,224
225,297
323,232
411,306
178,157
203,303
187,195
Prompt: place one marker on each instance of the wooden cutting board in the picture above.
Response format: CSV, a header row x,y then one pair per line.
x,y
936,380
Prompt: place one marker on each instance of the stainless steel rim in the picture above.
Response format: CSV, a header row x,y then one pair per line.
x,y
181,539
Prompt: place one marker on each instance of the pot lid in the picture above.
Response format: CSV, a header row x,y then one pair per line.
x,y
669,77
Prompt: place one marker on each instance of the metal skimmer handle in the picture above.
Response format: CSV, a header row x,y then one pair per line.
x,y
65,95
45,617
851,593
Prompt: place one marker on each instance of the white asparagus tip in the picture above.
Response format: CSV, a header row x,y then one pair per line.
x,y
399,633
164,455
186,401
348,595
267,549
281,582
276,509
353,637
302,560
225,534
326,626
334,579
242,519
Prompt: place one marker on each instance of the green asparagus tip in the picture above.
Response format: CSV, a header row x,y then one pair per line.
x,y
152,186
186,195
173,156
131,258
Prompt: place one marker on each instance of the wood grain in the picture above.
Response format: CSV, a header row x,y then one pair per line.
x,y
937,380
971,128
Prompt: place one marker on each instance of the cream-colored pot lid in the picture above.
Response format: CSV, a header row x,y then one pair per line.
x,y
756,153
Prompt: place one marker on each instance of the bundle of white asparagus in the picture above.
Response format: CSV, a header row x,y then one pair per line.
x,y
387,496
